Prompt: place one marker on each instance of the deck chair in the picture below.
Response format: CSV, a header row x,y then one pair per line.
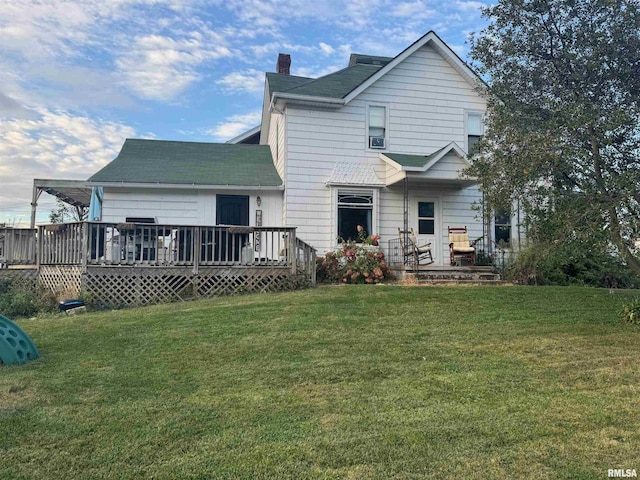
x,y
413,251
460,246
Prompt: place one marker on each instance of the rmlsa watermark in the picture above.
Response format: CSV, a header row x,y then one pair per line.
x,y
622,473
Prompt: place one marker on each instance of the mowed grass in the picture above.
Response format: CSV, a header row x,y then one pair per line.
x,y
334,382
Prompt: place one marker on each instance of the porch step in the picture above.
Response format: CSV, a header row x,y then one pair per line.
x,y
459,282
457,275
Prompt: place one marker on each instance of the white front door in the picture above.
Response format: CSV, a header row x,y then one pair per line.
x,y
425,221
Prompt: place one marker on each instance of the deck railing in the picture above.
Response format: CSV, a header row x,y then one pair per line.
x,y
17,246
106,244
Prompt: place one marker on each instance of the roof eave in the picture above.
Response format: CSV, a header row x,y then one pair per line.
x,y
184,186
330,102
244,135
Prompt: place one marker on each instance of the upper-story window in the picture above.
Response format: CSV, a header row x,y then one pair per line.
x,y
377,126
475,129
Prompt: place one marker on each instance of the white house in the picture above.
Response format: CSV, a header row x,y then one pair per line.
x,y
379,140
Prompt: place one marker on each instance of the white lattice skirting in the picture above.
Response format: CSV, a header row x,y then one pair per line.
x,y
123,286
64,281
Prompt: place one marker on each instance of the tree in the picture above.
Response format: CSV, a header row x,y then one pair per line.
x,y
563,117
63,212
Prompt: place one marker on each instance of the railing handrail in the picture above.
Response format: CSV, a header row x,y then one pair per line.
x,y
91,243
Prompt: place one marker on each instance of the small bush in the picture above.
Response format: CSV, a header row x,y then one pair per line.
x,y
18,299
548,263
631,311
5,285
18,304
353,263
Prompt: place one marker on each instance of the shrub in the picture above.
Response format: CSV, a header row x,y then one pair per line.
x,y
569,263
5,285
631,311
17,299
353,263
18,304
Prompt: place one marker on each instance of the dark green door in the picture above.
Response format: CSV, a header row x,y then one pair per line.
x,y
231,210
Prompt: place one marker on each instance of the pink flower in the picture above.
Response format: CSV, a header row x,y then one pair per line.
x,y
359,228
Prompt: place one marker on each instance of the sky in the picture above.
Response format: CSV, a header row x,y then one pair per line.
x,y
77,77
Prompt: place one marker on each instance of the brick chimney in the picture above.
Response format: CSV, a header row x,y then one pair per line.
x,y
284,63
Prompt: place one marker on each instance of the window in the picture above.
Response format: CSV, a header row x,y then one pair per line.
x,y
474,129
354,208
502,227
377,126
426,218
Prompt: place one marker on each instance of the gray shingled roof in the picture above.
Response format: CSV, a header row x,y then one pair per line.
x,y
192,163
407,160
356,58
279,82
335,85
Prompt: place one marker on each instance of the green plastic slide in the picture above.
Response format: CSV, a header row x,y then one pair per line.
x,y
16,347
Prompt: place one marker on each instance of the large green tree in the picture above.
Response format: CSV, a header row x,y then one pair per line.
x,y
563,117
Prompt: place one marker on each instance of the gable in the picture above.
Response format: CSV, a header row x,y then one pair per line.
x,y
425,74
448,167
436,44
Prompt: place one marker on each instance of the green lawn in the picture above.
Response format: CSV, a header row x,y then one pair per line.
x,y
335,382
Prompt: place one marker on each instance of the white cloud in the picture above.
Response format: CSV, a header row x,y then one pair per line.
x,y
414,10
55,144
234,125
327,49
469,6
251,81
159,67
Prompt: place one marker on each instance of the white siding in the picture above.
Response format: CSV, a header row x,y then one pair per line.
x,y
184,207
448,167
455,209
427,100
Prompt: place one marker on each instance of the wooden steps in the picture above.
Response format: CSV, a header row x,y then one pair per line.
x,y
470,275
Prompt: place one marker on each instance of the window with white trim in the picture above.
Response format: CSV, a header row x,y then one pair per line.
x,y
377,126
426,218
475,129
502,227
354,208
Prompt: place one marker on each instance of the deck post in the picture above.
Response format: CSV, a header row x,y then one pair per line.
x,y
8,246
292,251
39,247
197,240
84,245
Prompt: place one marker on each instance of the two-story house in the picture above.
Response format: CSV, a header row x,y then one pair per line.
x,y
381,143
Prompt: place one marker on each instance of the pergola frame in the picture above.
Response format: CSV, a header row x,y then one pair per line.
x,y
73,192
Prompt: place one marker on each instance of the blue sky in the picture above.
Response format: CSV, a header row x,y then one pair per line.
x,y
77,77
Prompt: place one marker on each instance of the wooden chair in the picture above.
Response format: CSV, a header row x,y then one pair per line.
x,y
460,246
419,253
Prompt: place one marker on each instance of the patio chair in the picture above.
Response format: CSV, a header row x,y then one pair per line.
x,y
460,246
419,253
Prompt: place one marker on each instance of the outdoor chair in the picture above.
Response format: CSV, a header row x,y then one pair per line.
x,y
460,246
411,250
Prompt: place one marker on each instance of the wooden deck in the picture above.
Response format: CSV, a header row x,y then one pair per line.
x,y
134,264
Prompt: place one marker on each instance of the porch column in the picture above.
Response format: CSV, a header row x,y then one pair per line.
x,y
34,205
406,211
